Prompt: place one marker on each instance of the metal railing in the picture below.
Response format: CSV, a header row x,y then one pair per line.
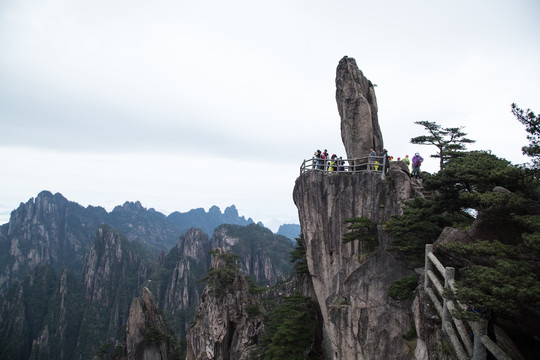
x,y
349,166
456,330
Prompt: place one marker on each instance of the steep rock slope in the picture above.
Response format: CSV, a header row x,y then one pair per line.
x,y
177,282
49,229
261,251
114,272
224,329
360,321
46,230
147,337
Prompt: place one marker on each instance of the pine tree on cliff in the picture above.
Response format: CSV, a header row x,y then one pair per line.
x,y
451,142
532,126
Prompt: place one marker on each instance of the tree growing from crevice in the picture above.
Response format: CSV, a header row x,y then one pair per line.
x,y
450,142
299,258
364,230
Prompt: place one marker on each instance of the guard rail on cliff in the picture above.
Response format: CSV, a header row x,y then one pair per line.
x,y
346,166
457,330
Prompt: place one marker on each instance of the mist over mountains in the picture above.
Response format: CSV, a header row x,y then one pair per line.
x,y
68,273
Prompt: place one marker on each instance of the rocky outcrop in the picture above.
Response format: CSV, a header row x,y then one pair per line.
x,y
357,106
144,225
351,290
360,321
46,230
111,262
208,221
178,292
223,329
147,337
261,251
113,274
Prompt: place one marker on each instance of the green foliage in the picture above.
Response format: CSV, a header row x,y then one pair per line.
x,y
364,230
253,310
531,235
403,288
253,288
508,288
481,248
153,335
291,331
532,126
449,141
421,223
221,279
468,182
298,257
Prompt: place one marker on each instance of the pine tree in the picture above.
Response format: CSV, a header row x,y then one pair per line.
x,y
450,141
532,126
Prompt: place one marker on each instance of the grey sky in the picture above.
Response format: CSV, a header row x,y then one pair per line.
x,y
185,104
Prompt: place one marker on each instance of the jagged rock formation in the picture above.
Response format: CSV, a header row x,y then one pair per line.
x,y
109,262
208,221
114,272
260,260
351,292
360,321
223,328
46,230
147,337
50,229
177,283
66,283
357,106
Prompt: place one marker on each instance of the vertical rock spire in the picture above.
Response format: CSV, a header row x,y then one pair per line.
x,y
357,106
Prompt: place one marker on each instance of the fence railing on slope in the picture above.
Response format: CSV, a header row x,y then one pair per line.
x,y
368,163
457,330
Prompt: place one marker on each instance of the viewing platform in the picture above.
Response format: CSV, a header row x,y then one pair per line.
x,y
346,166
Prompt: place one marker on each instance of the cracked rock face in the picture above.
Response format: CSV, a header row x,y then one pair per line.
x,y
144,319
357,107
223,329
360,320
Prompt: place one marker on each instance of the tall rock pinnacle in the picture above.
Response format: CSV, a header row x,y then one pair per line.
x,y
357,108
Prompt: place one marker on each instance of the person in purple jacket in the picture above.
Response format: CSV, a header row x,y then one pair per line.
x,y
416,162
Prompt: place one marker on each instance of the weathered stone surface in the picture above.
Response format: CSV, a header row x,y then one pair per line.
x,y
144,319
223,329
357,106
360,321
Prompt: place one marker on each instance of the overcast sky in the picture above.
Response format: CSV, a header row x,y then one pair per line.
x,y
189,104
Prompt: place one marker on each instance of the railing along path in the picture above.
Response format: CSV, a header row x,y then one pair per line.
x,y
456,330
350,166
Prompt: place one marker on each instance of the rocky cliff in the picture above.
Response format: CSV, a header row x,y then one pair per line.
x,y
261,251
46,230
176,284
357,107
147,337
359,320
227,324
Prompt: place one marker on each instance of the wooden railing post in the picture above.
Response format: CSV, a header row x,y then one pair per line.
x,y
428,266
449,275
479,329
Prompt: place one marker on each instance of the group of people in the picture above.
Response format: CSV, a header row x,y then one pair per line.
x,y
416,163
335,163
332,163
